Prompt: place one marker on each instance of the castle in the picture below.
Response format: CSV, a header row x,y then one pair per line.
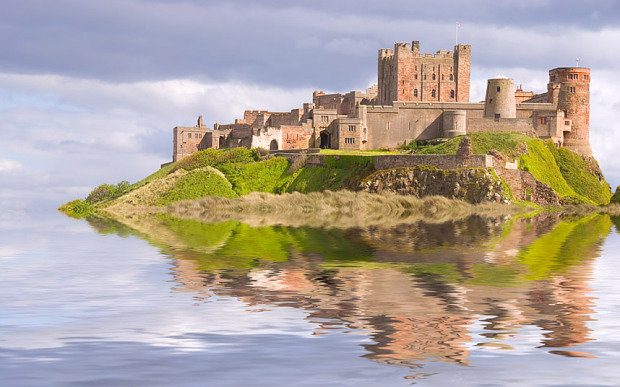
x,y
418,97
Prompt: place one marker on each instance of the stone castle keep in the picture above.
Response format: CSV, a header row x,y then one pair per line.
x,y
418,97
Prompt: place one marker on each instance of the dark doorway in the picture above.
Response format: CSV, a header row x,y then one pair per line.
x,y
222,142
273,145
325,143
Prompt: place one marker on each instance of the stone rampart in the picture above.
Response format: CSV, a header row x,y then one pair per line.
x,y
489,125
438,161
402,161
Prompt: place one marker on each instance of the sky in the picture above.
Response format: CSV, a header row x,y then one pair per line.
x,y
90,90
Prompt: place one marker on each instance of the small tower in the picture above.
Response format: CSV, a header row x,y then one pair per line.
x,y
462,64
500,98
569,90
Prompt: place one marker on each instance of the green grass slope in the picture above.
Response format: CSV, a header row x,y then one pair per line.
x,y
198,184
260,176
571,176
339,172
616,198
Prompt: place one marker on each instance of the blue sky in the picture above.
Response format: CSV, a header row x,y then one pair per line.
x,y
90,91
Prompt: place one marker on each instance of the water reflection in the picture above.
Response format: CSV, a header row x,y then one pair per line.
x,y
422,292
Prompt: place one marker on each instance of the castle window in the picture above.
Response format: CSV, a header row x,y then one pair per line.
x,y
451,93
572,89
349,141
497,116
415,68
351,128
425,77
433,93
498,89
543,120
324,118
415,92
415,76
566,123
451,77
189,135
433,77
442,77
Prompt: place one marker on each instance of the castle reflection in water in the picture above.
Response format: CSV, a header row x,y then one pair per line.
x,y
421,292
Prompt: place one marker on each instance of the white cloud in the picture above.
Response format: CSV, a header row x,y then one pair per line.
x,y
9,166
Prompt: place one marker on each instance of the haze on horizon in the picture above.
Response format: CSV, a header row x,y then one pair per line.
x,y
89,91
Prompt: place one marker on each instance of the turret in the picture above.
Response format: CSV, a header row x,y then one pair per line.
x,y
500,98
569,88
462,65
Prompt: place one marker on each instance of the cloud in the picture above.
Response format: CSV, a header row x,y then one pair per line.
x,y
319,45
9,166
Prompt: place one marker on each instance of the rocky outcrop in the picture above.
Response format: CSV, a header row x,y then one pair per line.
x,y
470,184
524,186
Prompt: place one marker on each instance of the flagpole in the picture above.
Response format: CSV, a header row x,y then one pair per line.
x,y
456,35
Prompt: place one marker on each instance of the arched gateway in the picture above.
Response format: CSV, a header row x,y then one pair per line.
x,y
325,140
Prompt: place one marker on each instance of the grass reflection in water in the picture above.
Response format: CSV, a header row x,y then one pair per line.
x,y
419,289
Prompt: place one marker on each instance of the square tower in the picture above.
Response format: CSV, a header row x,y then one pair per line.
x,y
406,74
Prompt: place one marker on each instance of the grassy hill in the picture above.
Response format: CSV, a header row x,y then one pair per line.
x,y
570,176
235,172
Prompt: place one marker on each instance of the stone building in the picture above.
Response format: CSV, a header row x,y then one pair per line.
x,y
418,97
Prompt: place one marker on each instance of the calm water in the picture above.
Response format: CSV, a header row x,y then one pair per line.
x,y
163,301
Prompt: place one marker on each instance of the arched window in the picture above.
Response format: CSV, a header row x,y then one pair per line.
x,y
433,93
452,94
415,92
433,77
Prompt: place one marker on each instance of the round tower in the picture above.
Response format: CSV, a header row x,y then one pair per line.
x,y
500,99
454,123
573,98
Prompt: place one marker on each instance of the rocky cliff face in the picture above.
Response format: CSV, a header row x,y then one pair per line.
x,y
471,185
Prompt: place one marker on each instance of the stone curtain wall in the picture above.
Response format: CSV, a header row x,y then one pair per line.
x,y
402,161
438,161
520,125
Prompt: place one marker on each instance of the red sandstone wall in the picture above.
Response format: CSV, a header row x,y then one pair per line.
x,y
462,60
189,140
574,99
289,118
296,137
250,116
